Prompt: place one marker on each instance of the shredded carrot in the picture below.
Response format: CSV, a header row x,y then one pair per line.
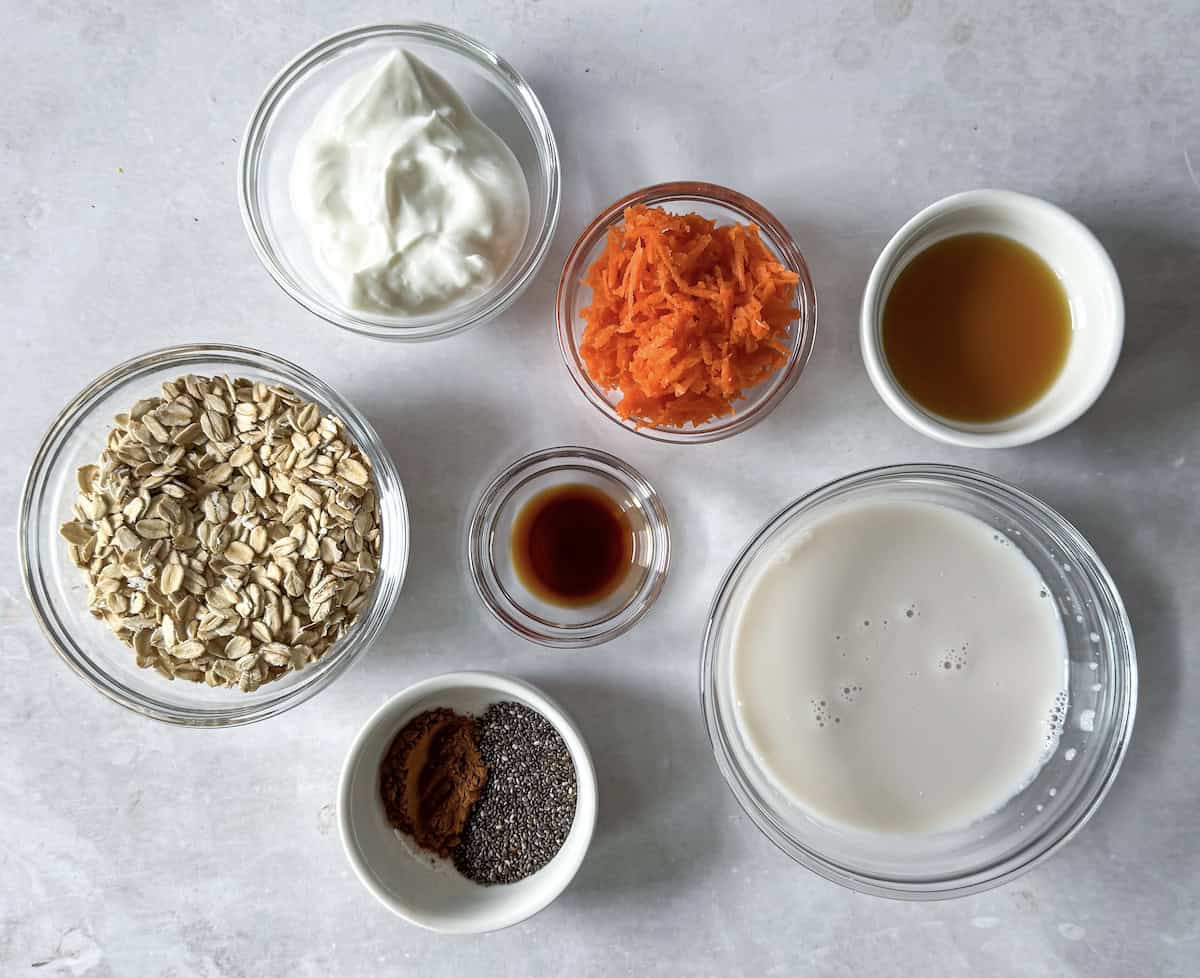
x,y
685,316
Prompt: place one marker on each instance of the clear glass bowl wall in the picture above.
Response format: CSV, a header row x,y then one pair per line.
x,y
495,92
1102,687
724,206
57,587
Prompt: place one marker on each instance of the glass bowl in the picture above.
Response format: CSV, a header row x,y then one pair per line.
x,y
724,206
496,579
57,588
1102,690
493,89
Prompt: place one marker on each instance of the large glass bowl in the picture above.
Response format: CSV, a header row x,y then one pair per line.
x,y
724,206
493,89
57,587
1102,689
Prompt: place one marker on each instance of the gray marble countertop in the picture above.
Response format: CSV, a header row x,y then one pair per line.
x,y
129,848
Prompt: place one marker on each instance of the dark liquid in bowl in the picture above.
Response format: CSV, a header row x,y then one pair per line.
x,y
572,545
976,328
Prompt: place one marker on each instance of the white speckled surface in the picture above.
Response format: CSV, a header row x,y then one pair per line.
x,y
131,849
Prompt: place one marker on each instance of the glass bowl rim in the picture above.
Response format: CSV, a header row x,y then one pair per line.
x,y
570,638
341,655
570,282
541,134
1039,848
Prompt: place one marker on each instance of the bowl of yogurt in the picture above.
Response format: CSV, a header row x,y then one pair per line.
x,y
919,681
400,181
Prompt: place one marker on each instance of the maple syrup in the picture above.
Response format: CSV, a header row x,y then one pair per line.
x,y
976,328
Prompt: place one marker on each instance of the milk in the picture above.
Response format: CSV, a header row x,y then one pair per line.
x,y
898,667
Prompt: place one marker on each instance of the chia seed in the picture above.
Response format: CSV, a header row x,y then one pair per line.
x,y
528,803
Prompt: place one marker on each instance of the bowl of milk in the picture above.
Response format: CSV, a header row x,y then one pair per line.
x,y
919,681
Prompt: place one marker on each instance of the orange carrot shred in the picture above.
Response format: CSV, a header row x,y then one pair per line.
x,y
685,316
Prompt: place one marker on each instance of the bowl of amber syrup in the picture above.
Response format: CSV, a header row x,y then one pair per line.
x,y
991,319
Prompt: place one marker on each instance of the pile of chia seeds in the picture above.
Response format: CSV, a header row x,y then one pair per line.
x,y
528,803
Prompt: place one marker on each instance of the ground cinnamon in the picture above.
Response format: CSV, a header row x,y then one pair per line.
x,y
431,777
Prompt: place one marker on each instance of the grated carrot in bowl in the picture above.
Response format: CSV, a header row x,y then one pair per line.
x,y
685,316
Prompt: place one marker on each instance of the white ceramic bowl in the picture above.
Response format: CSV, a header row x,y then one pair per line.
x,y
417,886
1076,257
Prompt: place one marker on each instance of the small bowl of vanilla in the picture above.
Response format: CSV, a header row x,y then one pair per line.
x,y
401,181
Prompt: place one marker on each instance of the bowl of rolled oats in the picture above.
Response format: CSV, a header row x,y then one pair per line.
x,y
210,535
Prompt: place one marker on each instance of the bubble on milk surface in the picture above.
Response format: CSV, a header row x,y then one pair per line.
x,y
954,659
822,714
1057,719
848,692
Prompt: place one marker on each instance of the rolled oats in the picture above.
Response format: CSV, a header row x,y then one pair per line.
x,y
230,533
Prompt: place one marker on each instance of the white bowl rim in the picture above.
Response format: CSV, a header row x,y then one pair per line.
x,y
900,404
518,689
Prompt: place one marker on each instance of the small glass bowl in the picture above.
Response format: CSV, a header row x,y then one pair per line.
x,y
490,559
57,588
493,89
1102,690
724,206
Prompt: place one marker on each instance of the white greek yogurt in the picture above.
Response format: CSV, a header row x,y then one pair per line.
x,y
411,204
898,667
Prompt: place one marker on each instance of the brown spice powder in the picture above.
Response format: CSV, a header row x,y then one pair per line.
x,y
431,777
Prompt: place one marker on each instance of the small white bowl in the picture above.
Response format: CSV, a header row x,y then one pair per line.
x,y
1076,257
418,886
